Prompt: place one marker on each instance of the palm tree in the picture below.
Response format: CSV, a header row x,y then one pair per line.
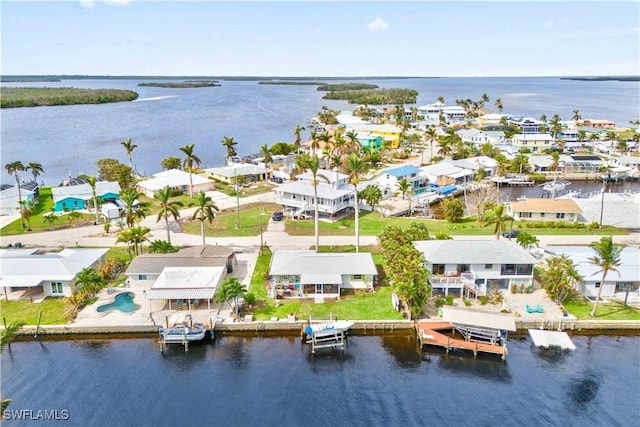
x,y
125,237
129,197
12,169
498,104
607,258
576,116
555,125
499,221
167,208
92,183
431,135
230,289
190,159
89,280
230,145
161,247
129,147
298,140
312,163
314,142
27,211
204,211
355,166
138,235
266,157
36,169
404,187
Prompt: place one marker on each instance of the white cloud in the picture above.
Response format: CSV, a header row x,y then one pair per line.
x,y
377,24
90,4
117,2
87,4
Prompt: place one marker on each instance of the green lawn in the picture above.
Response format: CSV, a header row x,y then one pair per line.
x,y
362,306
609,311
224,224
27,312
372,224
245,191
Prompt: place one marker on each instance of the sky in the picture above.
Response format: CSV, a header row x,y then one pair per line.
x,y
329,38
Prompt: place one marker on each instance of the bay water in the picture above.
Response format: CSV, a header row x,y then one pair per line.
x,y
275,381
67,140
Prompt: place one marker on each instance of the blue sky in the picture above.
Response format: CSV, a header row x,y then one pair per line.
x,y
330,38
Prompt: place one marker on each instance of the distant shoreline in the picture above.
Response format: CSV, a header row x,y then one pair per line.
x,y
604,79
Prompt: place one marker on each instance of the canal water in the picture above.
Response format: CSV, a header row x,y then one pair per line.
x,y
275,381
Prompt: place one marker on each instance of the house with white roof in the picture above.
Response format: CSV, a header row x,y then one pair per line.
x,y
527,125
50,273
175,179
73,197
9,204
335,194
628,275
486,163
473,267
248,172
307,274
491,119
446,173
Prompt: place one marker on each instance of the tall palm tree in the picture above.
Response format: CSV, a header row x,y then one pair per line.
x,y
314,142
204,211
576,116
312,163
190,159
498,104
36,169
129,147
125,237
129,197
139,235
298,139
404,187
230,145
12,169
555,125
607,258
92,183
355,167
499,220
167,208
266,157
431,135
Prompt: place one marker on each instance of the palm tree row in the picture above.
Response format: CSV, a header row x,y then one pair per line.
x,y
12,169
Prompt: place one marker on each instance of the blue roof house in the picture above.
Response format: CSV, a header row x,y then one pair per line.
x,y
75,197
388,180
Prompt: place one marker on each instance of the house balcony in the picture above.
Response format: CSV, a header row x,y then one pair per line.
x,y
466,281
307,205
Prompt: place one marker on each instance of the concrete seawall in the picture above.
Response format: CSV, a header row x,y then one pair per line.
x,y
360,327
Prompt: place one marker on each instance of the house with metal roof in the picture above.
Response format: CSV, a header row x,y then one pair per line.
x,y
9,204
74,197
389,179
249,173
191,274
473,267
307,274
566,210
535,142
49,273
175,179
335,194
627,277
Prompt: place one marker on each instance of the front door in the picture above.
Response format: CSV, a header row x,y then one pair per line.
x,y
319,288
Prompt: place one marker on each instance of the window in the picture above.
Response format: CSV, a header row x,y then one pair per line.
x,y
56,287
597,284
525,214
541,214
488,266
142,277
437,269
560,215
356,277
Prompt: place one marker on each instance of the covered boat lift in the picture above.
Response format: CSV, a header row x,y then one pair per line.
x,y
546,339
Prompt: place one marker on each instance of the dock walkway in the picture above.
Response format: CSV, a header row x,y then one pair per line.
x,y
428,334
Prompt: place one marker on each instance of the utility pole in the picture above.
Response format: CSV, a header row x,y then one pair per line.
x,y
237,199
604,187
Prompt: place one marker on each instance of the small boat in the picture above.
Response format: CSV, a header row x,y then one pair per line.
x,y
181,328
328,328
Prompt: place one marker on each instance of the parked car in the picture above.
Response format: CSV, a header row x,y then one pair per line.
x,y
511,234
277,216
277,179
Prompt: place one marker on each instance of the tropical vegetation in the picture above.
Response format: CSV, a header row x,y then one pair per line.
x,y
46,96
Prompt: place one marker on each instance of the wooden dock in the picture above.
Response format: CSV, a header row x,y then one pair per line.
x,y
429,334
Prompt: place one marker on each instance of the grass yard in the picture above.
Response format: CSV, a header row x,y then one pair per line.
x,y
27,312
246,190
609,311
362,306
372,224
224,224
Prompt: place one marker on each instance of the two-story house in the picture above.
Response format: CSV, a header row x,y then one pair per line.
x,y
471,268
535,142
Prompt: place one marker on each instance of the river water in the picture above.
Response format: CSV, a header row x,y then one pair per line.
x,y
378,381
67,140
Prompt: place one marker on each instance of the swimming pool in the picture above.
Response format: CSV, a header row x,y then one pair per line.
x,y
123,302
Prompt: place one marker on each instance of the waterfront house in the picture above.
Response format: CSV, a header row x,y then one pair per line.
x,y
389,133
74,197
387,180
335,194
491,119
50,273
180,278
583,164
370,141
248,173
527,125
596,123
175,179
565,210
627,277
445,173
474,164
473,267
535,142
307,274
9,204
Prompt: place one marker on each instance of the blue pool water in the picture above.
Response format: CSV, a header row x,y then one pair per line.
x,y
123,302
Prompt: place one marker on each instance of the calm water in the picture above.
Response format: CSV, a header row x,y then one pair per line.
x,y
379,381
69,139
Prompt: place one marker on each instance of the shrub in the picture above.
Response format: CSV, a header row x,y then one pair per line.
x,y
439,302
483,300
467,302
250,298
449,299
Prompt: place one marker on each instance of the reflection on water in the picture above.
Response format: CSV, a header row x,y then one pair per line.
x,y
584,389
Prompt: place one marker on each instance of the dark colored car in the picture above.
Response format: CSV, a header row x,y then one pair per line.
x,y
511,234
277,180
277,216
